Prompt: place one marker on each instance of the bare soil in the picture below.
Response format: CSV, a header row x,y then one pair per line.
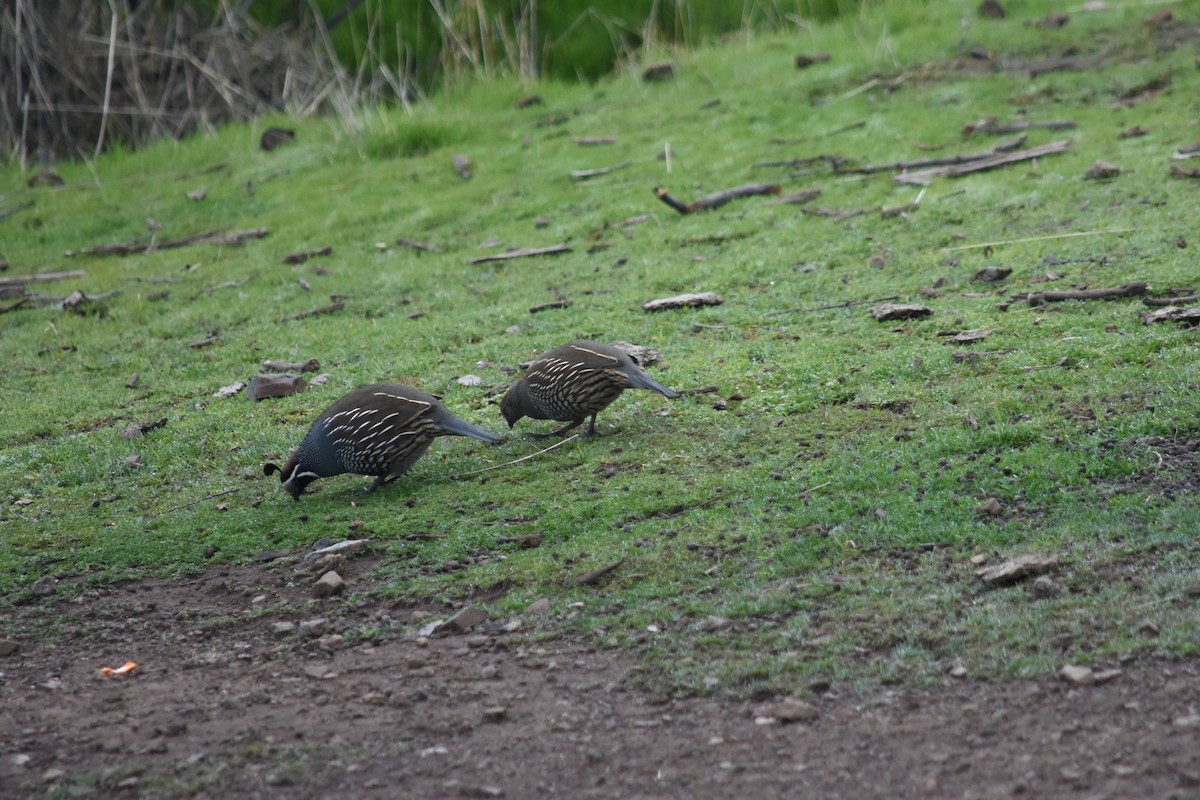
x,y
222,704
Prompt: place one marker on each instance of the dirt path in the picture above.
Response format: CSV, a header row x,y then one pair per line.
x,y
223,704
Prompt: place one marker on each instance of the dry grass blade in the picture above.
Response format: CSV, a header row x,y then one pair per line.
x,y
518,460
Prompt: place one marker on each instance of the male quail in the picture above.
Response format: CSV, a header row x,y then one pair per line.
x,y
575,380
379,430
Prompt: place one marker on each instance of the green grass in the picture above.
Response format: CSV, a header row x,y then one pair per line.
x,y
830,513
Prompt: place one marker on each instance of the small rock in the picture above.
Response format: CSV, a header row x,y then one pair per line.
x,y
45,585
1017,569
1077,675
330,561
788,710
885,312
331,641
312,628
1106,675
683,301
8,647
992,507
283,628
429,630
495,714
328,584
466,619
21,759
470,380
462,166
230,390
53,774
1044,587
958,671
715,623
1101,170
320,380
347,547
281,384
992,274
1191,720
540,606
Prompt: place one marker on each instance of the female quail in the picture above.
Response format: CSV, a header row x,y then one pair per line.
x,y
379,430
575,380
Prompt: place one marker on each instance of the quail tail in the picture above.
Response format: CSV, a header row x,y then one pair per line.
x,y
452,424
641,380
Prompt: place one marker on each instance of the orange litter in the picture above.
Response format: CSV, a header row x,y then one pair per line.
x,y
124,669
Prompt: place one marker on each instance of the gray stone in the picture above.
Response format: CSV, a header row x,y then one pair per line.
x,y
328,584
45,585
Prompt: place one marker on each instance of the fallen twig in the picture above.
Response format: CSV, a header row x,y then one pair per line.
x,y
1170,301
228,285
924,163
589,141
523,252
1128,290
712,201
140,246
14,306
42,276
991,125
595,575
8,212
517,460
194,502
1026,240
699,390
552,304
428,248
300,258
847,304
329,309
997,160
584,174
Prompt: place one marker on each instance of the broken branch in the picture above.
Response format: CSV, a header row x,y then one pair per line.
x,y
713,201
997,160
523,252
130,248
1128,290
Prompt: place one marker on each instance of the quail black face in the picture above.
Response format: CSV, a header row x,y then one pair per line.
x,y
293,478
510,406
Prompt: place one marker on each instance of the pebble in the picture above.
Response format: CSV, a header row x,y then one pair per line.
x,y
45,585
9,647
540,606
1080,676
466,619
312,628
283,628
328,584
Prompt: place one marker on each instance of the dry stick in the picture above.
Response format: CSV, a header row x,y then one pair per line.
x,y
1001,242
990,125
594,575
846,304
713,201
1170,301
584,174
552,304
516,461
428,248
924,163
194,502
211,237
999,160
8,212
42,276
14,306
522,252
1128,290
108,79
329,309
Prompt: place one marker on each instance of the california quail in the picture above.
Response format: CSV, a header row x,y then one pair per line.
x,y
575,380
379,430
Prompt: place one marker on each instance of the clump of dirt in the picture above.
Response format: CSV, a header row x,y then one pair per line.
x,y
245,687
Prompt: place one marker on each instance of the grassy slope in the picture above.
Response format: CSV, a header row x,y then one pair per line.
x,y
830,514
